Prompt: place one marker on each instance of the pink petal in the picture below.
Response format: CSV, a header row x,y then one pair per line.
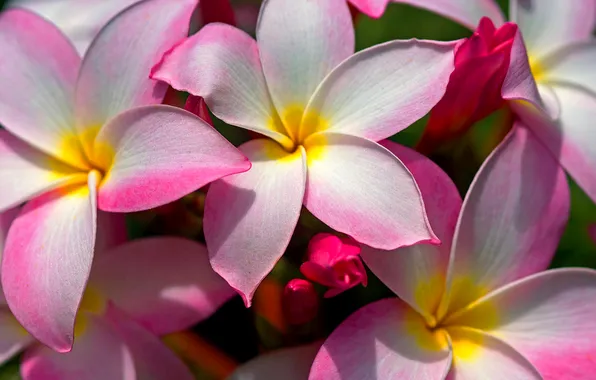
x,y
549,24
250,217
14,337
300,42
519,82
547,317
512,219
152,359
371,8
404,78
160,153
164,283
47,259
382,340
38,75
573,65
417,273
78,20
111,230
6,219
26,172
466,12
115,72
477,355
221,64
99,353
357,187
287,363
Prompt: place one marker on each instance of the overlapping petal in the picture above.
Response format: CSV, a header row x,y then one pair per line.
x,y
6,219
250,217
511,221
221,64
115,71
358,187
371,8
164,283
38,75
467,13
417,273
572,65
403,81
13,337
300,42
47,259
547,317
382,340
26,172
549,24
157,154
519,82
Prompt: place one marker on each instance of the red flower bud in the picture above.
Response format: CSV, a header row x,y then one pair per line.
x,y
300,302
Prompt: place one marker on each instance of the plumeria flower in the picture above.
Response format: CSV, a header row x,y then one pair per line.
x,y
480,306
83,135
287,363
334,262
320,110
551,82
137,292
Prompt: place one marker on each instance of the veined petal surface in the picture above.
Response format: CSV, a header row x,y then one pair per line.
x,y
572,65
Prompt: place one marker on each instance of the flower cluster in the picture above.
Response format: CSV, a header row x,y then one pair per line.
x,y
94,134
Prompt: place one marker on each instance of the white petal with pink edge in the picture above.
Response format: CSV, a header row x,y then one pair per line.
x,y
382,340
157,154
221,64
115,71
547,317
358,187
417,273
250,217
47,260
511,221
38,83
164,283
26,172
300,42
550,24
403,81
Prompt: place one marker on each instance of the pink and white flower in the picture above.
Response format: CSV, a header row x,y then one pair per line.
x,y
320,108
87,134
481,306
137,292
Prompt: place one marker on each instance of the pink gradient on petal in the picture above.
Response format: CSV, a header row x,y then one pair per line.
x,y
334,262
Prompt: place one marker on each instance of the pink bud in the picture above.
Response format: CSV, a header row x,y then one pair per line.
x,y
300,302
474,88
334,262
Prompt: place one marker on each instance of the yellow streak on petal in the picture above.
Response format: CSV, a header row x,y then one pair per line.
x,y
464,290
427,293
274,151
70,150
426,338
538,70
93,302
466,347
316,148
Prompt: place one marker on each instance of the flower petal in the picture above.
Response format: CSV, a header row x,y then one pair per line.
x,y
519,82
357,187
6,219
477,355
250,217
382,340
571,138
572,65
221,64
288,363
14,337
371,8
468,13
405,79
99,353
25,172
300,42
115,72
549,24
152,359
417,273
512,219
164,283
157,154
547,317
38,78
47,259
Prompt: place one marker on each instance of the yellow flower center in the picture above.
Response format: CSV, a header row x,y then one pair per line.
x,y
538,70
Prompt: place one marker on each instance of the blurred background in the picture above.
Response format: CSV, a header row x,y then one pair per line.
x,y
236,334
